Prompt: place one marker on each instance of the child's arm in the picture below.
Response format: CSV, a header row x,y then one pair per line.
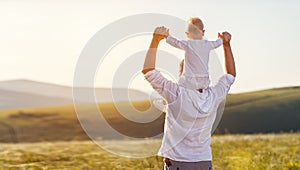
x,y
217,43
181,44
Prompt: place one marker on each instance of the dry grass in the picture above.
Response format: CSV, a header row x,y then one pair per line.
x,y
258,152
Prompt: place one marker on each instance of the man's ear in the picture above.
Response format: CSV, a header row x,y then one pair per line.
x,y
203,31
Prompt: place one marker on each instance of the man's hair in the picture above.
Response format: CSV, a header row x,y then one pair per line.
x,y
196,22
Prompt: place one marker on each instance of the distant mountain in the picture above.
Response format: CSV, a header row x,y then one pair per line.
x,y
27,93
13,99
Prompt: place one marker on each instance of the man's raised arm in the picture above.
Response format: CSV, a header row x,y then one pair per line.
x,y
159,34
166,88
229,60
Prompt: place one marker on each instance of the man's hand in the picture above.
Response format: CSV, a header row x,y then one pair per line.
x,y
160,33
226,38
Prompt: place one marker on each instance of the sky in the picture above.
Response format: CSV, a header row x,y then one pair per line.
x,y
42,40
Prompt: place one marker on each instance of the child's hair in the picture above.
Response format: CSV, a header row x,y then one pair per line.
x,y
195,24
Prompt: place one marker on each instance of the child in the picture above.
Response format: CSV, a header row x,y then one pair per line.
x,y
195,71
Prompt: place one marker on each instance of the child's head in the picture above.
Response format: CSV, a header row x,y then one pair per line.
x,y
195,28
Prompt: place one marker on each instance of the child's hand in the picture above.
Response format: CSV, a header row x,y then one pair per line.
x,y
167,33
220,36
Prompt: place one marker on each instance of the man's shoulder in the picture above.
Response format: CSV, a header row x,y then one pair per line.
x,y
227,79
230,78
223,85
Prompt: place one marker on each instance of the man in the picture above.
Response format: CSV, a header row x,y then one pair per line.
x,y
190,113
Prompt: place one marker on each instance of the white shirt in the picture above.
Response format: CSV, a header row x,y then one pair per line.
x,y
195,71
189,117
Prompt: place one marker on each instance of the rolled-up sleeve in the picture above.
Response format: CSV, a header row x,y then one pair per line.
x,y
166,88
223,86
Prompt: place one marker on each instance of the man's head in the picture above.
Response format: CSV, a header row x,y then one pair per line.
x,y
195,29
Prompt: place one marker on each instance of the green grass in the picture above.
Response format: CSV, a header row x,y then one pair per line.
x,y
232,152
257,152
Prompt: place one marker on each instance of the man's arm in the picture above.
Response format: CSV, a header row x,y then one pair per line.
x,y
225,82
166,88
229,60
150,60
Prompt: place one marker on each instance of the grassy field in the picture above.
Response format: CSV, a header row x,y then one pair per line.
x,y
236,152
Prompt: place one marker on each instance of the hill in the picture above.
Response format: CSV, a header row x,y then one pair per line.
x,y
61,124
274,110
265,111
27,94
13,99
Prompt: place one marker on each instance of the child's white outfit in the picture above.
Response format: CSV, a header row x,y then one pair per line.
x,y
195,71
